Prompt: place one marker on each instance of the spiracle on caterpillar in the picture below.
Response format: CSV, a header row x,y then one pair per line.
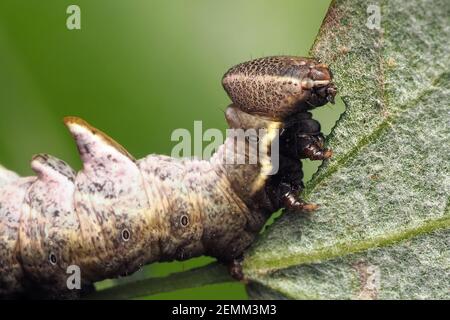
x,y
119,213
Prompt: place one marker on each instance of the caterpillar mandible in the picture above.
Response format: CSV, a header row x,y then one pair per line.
x,y
119,213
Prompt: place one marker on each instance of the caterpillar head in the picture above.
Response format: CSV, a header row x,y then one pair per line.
x,y
277,87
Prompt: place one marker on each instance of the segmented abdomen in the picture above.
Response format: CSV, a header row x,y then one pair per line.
x,y
118,214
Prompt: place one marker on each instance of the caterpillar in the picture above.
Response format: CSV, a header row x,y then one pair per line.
x,y
119,213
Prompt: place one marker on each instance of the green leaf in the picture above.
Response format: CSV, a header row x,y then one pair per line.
x,y
383,227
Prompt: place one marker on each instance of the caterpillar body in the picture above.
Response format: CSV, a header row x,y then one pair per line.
x,y
119,213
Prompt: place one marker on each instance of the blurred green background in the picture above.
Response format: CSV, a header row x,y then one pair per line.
x,y
137,69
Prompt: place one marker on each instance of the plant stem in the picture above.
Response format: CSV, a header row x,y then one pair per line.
x,y
197,277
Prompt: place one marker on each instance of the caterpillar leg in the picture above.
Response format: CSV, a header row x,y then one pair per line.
x,y
302,139
235,269
291,200
284,188
312,147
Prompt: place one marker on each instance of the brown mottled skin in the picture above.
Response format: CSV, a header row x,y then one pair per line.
x,y
118,213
